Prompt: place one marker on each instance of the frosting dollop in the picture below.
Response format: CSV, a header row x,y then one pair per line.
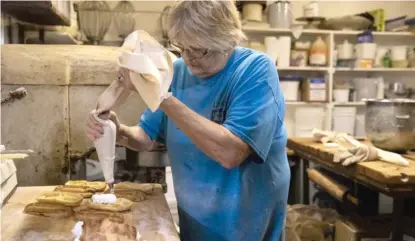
x,y
104,198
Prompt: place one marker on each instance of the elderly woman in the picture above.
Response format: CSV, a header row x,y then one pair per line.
x,y
223,128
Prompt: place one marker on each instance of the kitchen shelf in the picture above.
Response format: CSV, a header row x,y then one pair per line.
x,y
263,30
267,30
358,103
375,69
291,103
392,34
307,68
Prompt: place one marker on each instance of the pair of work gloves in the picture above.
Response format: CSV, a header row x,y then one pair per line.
x,y
351,151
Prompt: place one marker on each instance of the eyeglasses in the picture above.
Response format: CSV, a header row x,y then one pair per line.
x,y
191,53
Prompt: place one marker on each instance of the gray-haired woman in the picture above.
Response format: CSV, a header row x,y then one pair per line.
x,y
223,128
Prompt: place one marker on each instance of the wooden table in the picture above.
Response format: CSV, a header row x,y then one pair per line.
x,y
392,180
151,217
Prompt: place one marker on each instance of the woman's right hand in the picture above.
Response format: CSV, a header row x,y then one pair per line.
x,y
95,129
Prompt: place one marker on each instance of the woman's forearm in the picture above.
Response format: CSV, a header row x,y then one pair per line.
x,y
213,139
134,138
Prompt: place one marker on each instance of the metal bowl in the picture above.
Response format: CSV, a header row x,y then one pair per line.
x,y
390,124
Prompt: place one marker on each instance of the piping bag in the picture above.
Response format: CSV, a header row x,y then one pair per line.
x,y
151,73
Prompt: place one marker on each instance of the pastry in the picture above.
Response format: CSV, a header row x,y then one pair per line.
x,y
67,199
85,192
147,188
48,210
120,205
107,229
82,207
97,186
132,195
91,214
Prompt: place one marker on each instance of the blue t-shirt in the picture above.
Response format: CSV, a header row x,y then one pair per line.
x,y
247,202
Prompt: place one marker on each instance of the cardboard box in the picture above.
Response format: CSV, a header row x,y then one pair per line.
x,y
314,90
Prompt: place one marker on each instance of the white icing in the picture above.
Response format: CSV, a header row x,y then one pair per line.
x,y
104,198
77,230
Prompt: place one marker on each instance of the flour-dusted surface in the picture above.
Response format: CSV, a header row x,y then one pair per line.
x,y
151,218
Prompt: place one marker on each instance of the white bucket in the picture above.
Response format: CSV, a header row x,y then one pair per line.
x,y
290,89
308,118
344,119
341,95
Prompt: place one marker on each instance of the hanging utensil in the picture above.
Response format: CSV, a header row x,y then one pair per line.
x,y
14,94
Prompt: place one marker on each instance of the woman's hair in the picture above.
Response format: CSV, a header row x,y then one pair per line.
x,y
213,24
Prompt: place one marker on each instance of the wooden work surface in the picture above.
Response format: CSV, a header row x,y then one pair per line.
x,y
385,176
151,218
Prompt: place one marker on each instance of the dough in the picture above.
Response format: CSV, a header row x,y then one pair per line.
x,y
67,199
48,210
132,195
85,192
97,186
147,188
120,205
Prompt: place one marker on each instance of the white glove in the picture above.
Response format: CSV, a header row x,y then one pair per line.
x,y
352,155
326,136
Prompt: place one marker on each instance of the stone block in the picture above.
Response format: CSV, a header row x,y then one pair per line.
x,y
39,122
58,64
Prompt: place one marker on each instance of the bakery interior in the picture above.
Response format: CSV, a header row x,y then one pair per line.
x,y
350,65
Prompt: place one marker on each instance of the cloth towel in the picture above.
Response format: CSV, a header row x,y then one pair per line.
x,y
151,72
358,152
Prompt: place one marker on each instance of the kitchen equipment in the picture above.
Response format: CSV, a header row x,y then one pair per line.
x,y
272,47
284,51
344,120
289,86
399,53
376,18
360,126
345,50
398,90
318,52
314,90
304,124
347,23
299,58
94,19
365,50
8,177
311,9
14,94
390,124
366,88
380,54
363,63
252,11
257,46
364,37
105,147
341,95
399,63
311,15
124,19
280,15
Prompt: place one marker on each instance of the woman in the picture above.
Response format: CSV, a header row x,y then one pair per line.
x,y
223,128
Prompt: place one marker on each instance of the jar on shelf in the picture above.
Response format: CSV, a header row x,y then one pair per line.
x,y
318,53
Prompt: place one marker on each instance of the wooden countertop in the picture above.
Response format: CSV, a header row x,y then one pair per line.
x,y
384,176
151,218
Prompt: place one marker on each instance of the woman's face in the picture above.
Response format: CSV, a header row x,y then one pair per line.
x,y
123,76
203,62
